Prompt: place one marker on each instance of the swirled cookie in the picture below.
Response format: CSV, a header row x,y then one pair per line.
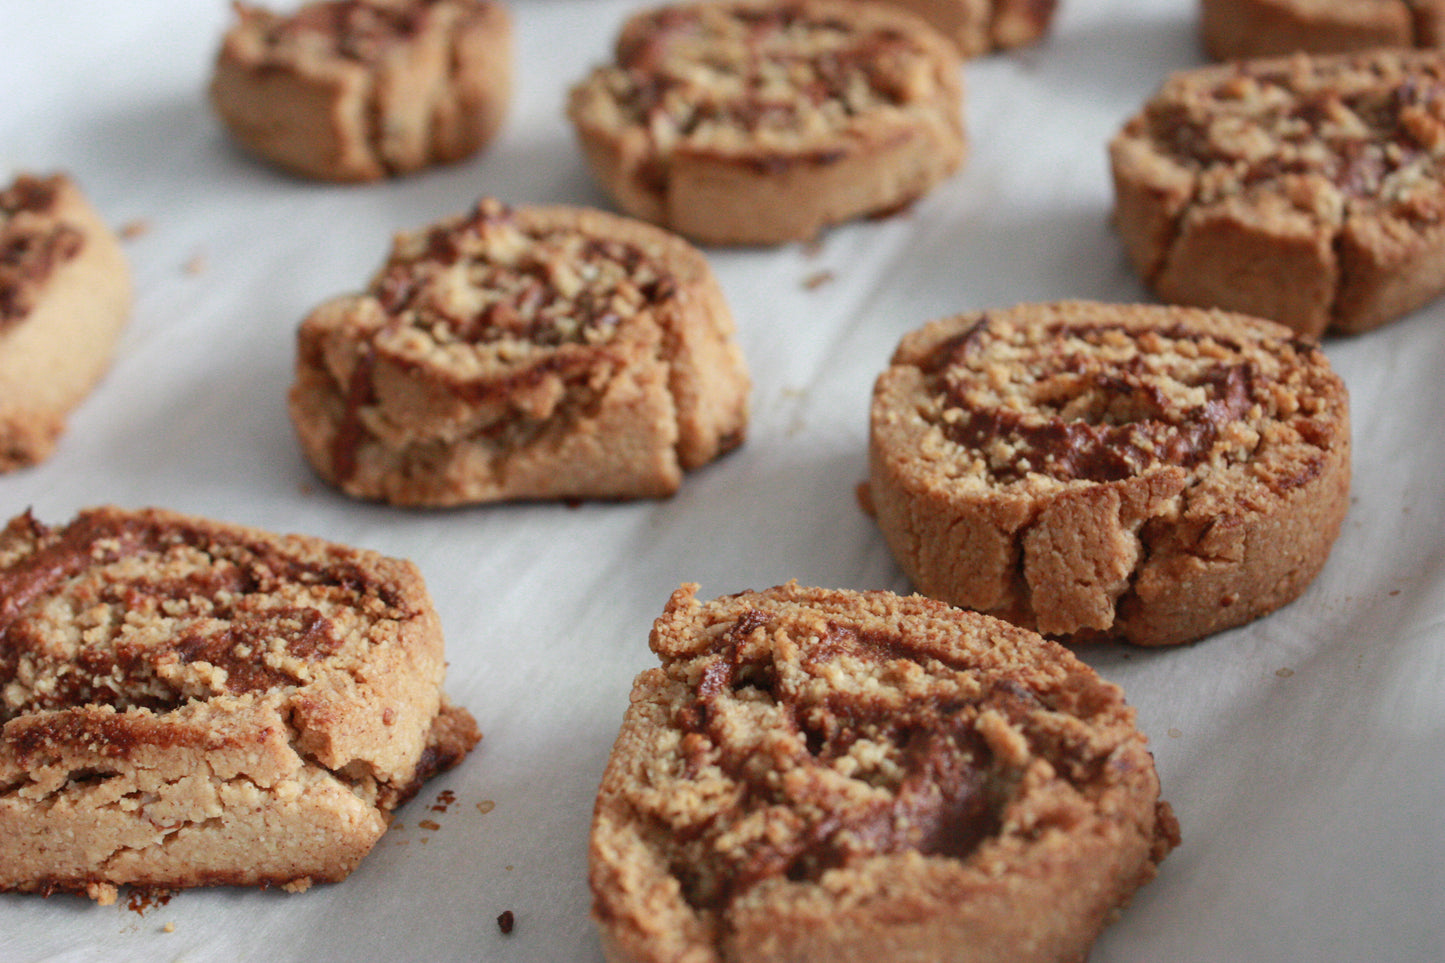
x,y
535,352
858,776
65,294
189,703
1306,190
982,26
759,123
1237,29
358,90
1143,473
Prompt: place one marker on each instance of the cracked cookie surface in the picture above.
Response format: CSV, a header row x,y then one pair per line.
x,y
1143,473
530,352
65,295
853,776
1306,190
191,703
748,123
358,90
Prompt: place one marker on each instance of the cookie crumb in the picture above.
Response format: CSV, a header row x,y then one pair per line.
x,y
1284,673
1173,733
817,279
134,229
486,806
196,264
168,928
506,922
431,824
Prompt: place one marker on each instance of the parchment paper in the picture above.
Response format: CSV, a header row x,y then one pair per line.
x,y
1305,753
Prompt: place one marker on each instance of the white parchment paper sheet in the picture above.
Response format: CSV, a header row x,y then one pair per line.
x,y
1305,753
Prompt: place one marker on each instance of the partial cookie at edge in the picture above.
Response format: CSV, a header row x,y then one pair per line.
x,y
189,703
65,295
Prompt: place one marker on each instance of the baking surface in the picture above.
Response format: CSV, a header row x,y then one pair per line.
x,y
1304,753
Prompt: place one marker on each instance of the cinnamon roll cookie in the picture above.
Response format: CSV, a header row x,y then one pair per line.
x,y
1306,190
189,703
358,90
858,776
1237,29
760,123
982,26
535,352
65,294
1141,473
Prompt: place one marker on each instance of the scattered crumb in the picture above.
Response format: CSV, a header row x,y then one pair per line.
x,y
445,798
817,279
509,869
135,229
506,921
486,806
168,928
1173,733
142,899
397,827
196,264
1284,673
431,824
1394,592
864,494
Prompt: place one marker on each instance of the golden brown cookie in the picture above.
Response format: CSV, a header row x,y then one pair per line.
x,y
358,90
1142,473
858,776
982,26
535,352
1306,190
65,294
1237,29
190,703
759,123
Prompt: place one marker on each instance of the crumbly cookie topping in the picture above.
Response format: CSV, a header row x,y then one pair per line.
x,y
32,243
358,30
1101,402
130,612
713,77
1335,136
488,285
807,736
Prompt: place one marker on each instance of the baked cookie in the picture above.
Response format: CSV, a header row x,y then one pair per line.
x,y
65,294
1306,190
358,90
1141,473
759,123
1237,29
535,352
858,776
189,703
983,26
